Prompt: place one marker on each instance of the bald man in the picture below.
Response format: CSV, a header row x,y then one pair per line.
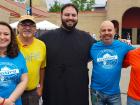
x,y
107,56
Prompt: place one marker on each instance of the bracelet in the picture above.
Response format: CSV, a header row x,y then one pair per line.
x,y
3,102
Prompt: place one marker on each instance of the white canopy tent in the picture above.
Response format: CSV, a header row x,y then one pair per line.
x,y
46,25
43,25
14,25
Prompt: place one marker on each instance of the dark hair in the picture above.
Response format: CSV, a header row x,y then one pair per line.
x,y
12,49
69,5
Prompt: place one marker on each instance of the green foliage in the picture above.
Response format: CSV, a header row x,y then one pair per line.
x,y
56,7
84,5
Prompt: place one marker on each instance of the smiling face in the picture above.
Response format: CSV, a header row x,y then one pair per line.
x,y
69,18
26,29
5,37
107,32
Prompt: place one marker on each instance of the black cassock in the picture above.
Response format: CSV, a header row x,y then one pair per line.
x,y
66,76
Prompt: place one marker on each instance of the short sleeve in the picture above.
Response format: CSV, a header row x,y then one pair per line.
x,y
126,61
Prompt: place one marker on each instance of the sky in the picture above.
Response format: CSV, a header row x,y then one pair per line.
x,y
50,2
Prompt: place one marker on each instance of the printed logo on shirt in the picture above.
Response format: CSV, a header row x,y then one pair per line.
x,y
8,73
107,58
32,56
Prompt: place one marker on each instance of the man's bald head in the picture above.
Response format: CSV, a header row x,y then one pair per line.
x,y
107,23
107,32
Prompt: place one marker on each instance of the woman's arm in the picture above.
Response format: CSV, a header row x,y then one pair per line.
x,y
18,91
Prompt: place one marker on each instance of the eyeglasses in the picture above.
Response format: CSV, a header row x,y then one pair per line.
x,y
27,25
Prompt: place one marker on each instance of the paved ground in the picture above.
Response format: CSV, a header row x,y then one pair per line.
x,y
124,84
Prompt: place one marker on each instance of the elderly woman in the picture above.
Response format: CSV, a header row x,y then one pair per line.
x,y
13,71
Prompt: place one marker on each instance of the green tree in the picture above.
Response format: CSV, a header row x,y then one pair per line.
x,y
84,5
56,7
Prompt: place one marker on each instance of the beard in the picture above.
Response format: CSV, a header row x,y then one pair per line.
x,y
67,25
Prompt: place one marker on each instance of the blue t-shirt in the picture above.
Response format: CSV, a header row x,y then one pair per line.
x,y
107,64
11,70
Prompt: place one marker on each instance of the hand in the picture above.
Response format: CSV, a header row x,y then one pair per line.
x,y
8,102
39,91
126,41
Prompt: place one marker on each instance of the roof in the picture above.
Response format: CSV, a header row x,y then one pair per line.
x,y
35,11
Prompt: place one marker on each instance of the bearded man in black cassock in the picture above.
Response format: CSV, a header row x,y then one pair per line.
x,y
66,76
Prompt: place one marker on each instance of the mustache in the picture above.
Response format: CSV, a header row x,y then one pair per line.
x,y
27,30
70,20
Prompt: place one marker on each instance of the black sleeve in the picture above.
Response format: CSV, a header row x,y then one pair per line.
x,y
91,41
43,37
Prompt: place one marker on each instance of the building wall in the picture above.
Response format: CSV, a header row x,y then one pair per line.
x,y
117,8
88,21
4,16
10,6
40,4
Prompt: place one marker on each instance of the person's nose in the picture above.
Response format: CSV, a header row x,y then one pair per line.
x,y
106,32
70,17
1,36
28,27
